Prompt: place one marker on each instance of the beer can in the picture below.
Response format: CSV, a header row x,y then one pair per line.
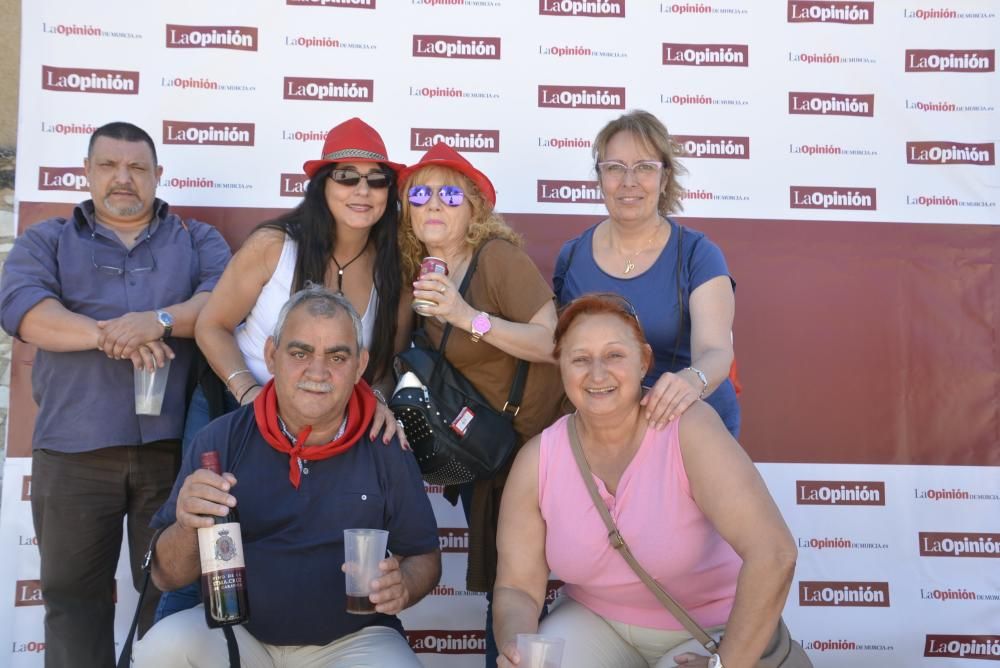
x,y
433,265
429,265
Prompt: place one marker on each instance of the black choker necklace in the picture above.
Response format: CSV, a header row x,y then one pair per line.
x,y
341,268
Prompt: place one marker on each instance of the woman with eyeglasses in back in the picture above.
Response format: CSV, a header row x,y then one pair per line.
x,y
342,235
507,314
676,277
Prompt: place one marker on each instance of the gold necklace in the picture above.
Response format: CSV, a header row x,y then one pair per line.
x,y
629,265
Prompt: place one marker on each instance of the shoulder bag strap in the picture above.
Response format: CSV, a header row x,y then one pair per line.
x,y
461,291
680,291
513,404
125,659
617,542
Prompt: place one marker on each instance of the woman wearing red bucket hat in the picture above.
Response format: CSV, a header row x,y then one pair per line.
x,y
343,234
507,314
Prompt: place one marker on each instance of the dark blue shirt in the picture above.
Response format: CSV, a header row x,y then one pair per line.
x,y
654,295
85,400
293,539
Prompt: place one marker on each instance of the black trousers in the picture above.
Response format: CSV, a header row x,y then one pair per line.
x,y
78,503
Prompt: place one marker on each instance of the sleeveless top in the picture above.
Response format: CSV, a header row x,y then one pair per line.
x,y
259,324
654,510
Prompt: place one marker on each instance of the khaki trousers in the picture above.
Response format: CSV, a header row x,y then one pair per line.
x,y
183,639
595,642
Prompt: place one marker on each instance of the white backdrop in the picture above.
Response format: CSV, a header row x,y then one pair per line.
x,y
859,111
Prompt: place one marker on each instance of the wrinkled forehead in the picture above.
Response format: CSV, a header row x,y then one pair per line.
x,y
632,142
330,328
122,150
601,328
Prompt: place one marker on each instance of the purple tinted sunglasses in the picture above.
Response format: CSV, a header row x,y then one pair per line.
x,y
449,195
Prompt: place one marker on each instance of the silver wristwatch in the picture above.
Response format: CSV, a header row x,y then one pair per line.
x,y
704,388
167,321
715,661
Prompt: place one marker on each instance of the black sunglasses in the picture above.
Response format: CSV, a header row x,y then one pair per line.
x,y
622,302
352,177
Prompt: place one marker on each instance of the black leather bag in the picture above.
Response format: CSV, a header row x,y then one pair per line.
x,y
455,434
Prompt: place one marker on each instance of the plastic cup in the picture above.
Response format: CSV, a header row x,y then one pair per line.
x,y
538,651
363,550
150,385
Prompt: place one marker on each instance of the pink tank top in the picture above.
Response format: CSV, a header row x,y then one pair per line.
x,y
665,529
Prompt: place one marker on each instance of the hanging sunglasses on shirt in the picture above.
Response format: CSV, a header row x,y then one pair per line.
x,y
449,195
351,177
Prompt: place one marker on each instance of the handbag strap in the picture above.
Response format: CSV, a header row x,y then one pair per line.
x,y
618,542
513,404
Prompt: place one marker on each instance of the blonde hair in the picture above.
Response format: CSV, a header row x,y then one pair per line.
x,y
485,223
649,131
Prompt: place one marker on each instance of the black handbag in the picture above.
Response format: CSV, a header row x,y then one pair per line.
x,y
456,435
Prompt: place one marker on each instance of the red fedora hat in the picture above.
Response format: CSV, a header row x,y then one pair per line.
x,y
352,141
442,155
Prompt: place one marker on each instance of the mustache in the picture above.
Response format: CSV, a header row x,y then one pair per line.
x,y
120,187
314,387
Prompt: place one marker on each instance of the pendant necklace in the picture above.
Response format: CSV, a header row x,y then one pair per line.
x,y
341,268
629,265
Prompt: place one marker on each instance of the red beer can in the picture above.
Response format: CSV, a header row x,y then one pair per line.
x,y
429,265
433,265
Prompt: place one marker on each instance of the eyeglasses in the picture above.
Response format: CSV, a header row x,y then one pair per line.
x,y
644,170
351,177
449,195
118,271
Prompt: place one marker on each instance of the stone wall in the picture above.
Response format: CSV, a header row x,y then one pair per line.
x,y
10,49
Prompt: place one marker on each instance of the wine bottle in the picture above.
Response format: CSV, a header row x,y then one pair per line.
x,y
223,570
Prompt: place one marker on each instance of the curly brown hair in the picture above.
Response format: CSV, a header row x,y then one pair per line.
x,y
484,225
651,133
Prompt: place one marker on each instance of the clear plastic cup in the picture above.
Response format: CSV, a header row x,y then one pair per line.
x,y
150,385
363,550
538,651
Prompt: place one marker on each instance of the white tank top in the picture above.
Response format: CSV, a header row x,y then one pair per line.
x,y
253,332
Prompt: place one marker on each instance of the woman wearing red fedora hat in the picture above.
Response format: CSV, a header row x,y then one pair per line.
x,y
508,313
343,234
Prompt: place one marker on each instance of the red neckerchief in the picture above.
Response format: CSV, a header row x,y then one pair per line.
x,y
360,410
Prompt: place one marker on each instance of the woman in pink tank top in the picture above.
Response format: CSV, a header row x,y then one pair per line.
x,y
687,500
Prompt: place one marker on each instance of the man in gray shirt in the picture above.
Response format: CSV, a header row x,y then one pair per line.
x,y
116,285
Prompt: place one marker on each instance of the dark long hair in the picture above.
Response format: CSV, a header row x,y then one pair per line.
x,y
313,227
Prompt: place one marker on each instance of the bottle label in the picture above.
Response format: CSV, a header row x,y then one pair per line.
x,y
221,547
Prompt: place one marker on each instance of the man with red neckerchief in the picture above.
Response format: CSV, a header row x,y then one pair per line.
x,y
306,471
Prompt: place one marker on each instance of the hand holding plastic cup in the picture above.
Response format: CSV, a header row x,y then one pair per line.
x,y
150,385
538,651
363,550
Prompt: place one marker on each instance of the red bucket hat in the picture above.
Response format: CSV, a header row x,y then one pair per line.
x,y
442,155
352,141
